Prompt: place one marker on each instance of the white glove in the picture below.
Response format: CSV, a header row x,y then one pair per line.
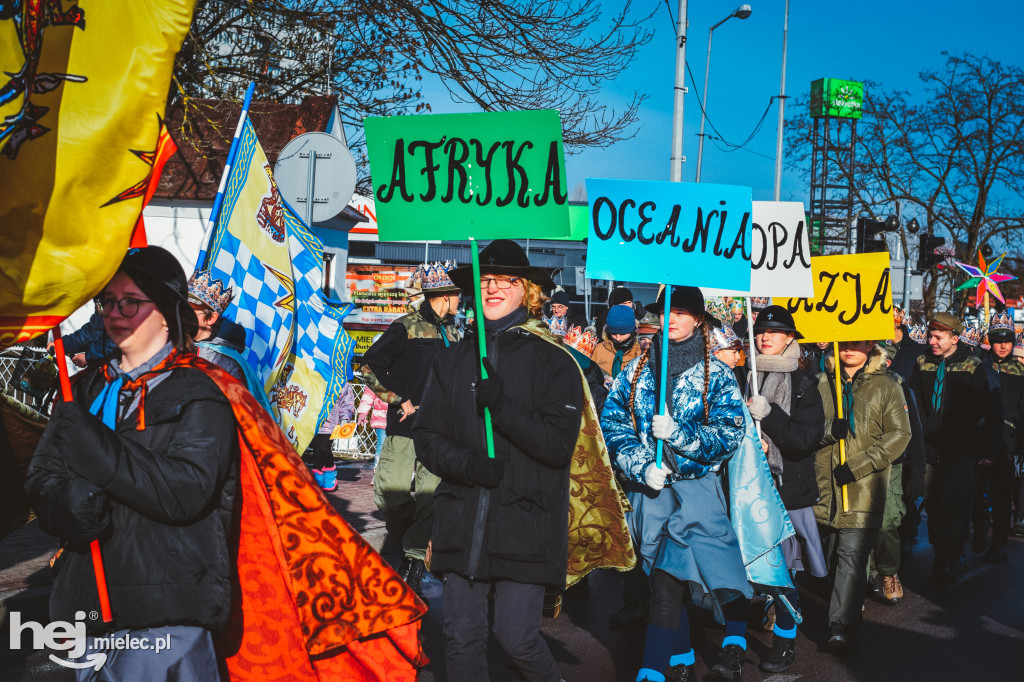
x,y
662,426
655,476
759,407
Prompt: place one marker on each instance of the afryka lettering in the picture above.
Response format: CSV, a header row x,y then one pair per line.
x,y
450,163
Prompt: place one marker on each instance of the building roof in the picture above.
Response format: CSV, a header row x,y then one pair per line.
x,y
194,172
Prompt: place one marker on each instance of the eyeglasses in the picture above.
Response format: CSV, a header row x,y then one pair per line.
x,y
499,282
127,306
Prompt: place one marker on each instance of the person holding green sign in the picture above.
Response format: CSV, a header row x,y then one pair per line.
x,y
680,521
501,523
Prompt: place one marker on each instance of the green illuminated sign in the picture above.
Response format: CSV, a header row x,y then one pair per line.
x,y
837,98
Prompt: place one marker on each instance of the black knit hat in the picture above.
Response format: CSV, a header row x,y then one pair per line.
x,y
502,257
776,318
690,299
560,298
620,295
163,280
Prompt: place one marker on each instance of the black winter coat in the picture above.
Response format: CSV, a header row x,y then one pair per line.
x,y
400,360
797,436
161,501
907,351
969,420
519,530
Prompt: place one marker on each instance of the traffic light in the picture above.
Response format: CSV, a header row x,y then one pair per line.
x,y
868,232
926,256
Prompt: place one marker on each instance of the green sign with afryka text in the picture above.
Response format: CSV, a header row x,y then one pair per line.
x,y
458,176
837,98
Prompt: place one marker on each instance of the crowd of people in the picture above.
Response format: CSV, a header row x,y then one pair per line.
x,y
476,458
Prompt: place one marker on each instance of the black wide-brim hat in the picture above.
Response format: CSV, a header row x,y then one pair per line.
x,y
502,257
160,276
690,299
778,319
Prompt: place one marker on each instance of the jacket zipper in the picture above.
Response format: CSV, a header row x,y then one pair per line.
x,y
477,544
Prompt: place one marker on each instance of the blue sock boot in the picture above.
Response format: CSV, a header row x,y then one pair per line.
x,y
330,483
657,648
318,475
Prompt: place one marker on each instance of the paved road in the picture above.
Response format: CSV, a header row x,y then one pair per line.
x,y
972,631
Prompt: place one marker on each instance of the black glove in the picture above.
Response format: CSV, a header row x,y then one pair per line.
x,y
485,471
86,511
840,427
915,487
490,392
843,475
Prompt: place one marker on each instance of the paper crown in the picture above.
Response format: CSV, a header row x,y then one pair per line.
x,y
736,306
724,338
1018,344
1001,321
760,302
899,315
581,340
971,335
716,307
436,276
415,280
212,293
919,333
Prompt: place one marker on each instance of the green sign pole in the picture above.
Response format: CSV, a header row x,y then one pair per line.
x,y
479,307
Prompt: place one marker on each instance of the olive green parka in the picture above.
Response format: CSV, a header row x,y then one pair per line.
x,y
882,426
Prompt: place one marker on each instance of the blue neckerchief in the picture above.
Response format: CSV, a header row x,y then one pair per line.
x,y
105,405
848,406
252,382
940,378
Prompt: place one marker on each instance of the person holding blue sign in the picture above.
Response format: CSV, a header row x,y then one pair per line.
x,y
680,521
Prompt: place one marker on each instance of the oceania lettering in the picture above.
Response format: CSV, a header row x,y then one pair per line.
x,y
631,221
451,164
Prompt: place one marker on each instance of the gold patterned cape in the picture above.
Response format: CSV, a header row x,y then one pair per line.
x,y
598,534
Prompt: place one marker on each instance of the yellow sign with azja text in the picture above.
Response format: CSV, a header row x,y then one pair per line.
x,y
852,300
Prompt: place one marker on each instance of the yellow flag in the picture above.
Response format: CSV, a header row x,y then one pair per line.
x,y
82,89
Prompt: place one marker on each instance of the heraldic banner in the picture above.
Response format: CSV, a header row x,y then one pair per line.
x,y
82,89
294,338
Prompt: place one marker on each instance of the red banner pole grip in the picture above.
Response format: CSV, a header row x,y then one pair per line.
x,y
94,546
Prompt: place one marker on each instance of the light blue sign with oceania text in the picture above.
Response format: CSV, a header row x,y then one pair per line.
x,y
679,233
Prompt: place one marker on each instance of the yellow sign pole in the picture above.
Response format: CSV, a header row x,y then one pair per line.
x,y
839,414
986,308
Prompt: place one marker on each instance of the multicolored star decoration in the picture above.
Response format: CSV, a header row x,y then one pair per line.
x,y
985,278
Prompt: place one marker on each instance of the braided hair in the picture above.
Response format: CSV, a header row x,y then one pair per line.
x,y
645,357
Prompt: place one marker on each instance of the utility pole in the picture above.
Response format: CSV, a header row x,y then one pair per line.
x,y
676,174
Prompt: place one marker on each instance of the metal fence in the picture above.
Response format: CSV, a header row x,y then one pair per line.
x,y
9,367
363,445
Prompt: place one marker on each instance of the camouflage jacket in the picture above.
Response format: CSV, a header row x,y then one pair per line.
x,y
965,420
1011,383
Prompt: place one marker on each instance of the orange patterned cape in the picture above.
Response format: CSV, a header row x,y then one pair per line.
x,y
313,600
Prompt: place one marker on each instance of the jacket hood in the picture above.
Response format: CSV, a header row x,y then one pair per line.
x,y
874,365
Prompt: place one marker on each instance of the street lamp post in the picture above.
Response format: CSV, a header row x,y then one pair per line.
x,y
741,12
782,107
676,172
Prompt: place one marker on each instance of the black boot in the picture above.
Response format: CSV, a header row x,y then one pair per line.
x,y
730,665
781,656
838,641
681,673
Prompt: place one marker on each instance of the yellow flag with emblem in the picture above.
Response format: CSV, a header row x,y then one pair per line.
x,y
82,88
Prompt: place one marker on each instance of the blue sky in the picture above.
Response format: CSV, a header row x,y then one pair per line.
x,y
889,42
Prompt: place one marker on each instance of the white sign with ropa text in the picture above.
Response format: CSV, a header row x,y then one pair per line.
x,y
780,260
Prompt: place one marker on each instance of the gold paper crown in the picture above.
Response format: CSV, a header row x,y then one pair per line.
x,y
581,340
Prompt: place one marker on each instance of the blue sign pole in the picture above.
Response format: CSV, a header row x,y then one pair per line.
x,y
663,377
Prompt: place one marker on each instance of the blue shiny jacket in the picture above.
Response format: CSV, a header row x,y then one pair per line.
x,y
697,447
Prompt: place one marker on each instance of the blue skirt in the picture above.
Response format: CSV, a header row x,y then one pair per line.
x,y
684,530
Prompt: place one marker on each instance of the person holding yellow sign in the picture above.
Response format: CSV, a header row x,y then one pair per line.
x,y
876,429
